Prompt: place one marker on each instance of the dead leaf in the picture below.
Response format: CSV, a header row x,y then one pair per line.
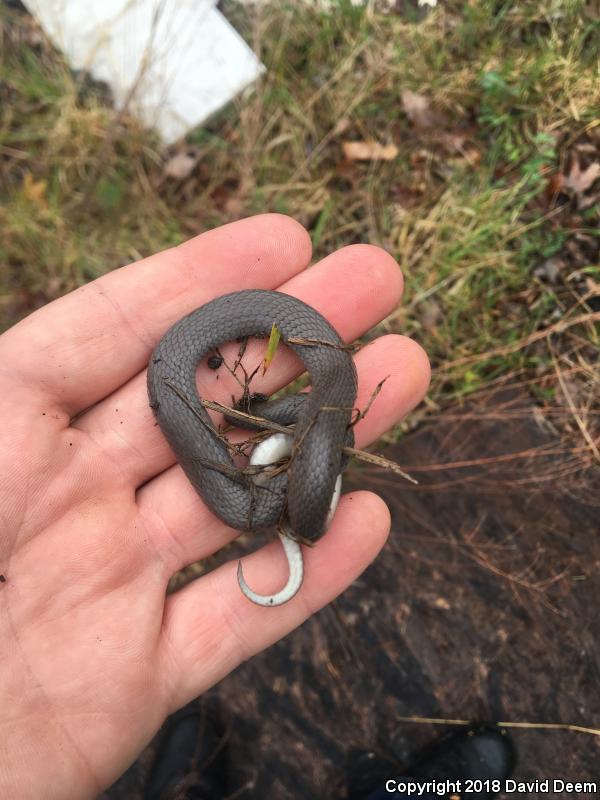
x,y
34,191
549,270
431,313
369,151
180,166
588,201
580,180
555,184
453,141
458,143
417,109
405,196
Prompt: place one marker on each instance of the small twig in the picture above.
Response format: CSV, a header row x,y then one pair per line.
x,y
300,340
552,726
233,370
241,352
242,417
379,461
238,473
361,455
195,412
225,469
375,392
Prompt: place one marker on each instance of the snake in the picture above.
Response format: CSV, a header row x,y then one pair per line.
x,y
298,500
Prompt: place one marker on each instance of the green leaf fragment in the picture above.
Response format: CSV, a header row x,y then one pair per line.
x,y
274,338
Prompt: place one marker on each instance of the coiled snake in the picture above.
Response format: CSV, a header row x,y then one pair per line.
x,y
296,500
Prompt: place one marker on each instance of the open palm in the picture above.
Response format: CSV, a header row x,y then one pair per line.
x,y
96,516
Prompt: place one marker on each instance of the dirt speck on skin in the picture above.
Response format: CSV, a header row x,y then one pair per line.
x,y
483,605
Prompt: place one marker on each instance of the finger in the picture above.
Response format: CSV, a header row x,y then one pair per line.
x,y
124,425
82,347
187,531
209,627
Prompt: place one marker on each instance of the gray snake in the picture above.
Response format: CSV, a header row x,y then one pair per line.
x,y
299,497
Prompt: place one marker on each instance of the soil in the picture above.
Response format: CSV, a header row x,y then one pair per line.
x,y
482,606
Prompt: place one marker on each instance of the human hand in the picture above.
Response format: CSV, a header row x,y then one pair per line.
x,y
96,517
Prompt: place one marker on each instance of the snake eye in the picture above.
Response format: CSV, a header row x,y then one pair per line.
x,y
215,361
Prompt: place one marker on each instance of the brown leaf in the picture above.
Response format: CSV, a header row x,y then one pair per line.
x,y
458,143
34,191
453,141
405,196
369,151
556,182
180,166
580,180
417,109
588,201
